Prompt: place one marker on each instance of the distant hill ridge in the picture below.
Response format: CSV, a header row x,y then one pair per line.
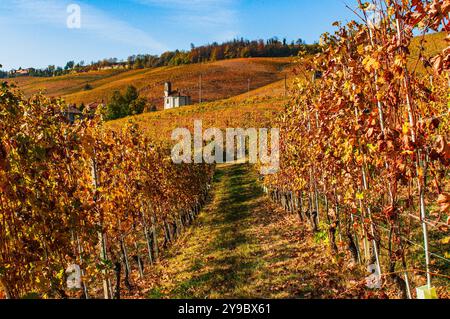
x,y
238,48
220,79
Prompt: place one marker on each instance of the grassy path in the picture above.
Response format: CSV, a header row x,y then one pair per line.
x,y
241,248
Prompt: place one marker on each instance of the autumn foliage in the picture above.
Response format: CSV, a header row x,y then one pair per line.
x,y
83,194
369,136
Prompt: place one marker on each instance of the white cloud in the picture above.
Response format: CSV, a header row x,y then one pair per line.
x,y
94,21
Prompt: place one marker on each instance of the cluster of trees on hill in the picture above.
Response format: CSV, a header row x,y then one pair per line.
x,y
238,48
228,50
122,105
51,70
245,49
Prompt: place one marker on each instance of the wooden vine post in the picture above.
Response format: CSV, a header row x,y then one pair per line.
x,y
101,235
421,165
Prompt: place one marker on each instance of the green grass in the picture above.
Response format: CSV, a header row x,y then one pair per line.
x,y
241,248
229,249
155,294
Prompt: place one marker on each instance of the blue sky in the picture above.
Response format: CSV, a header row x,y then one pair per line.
x,y
34,33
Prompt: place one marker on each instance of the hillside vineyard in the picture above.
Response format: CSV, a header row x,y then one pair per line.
x,y
359,206
368,139
81,194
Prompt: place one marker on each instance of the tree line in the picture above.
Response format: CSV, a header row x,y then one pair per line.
x,y
237,48
51,70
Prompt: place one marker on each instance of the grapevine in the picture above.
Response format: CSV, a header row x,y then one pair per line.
x,y
82,194
365,144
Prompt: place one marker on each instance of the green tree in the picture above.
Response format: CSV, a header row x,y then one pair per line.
x,y
131,94
137,106
70,65
138,64
125,105
116,107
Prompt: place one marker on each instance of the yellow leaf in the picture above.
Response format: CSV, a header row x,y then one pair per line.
x,y
372,147
361,49
370,64
420,172
405,128
60,274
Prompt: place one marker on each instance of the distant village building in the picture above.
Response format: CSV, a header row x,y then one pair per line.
x,y
174,99
113,67
20,72
117,66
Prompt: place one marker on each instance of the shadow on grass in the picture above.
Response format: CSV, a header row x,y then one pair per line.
x,y
240,247
235,257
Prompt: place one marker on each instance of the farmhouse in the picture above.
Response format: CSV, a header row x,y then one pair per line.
x,y
20,72
174,99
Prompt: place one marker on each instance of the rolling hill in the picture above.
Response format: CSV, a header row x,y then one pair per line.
x,y
257,111
220,80
225,81
253,109
249,109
